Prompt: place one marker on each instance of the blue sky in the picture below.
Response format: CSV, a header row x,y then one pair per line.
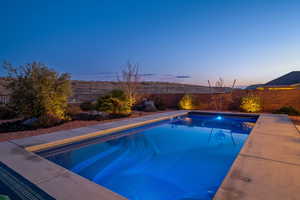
x,y
188,41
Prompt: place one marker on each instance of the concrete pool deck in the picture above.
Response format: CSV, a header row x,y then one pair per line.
x,y
268,166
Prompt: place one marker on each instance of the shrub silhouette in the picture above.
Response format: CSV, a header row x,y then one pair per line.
x,y
289,110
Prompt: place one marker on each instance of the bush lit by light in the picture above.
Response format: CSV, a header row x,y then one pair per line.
x,y
37,91
251,103
186,103
115,102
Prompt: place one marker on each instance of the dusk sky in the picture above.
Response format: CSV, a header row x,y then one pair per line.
x,y
187,41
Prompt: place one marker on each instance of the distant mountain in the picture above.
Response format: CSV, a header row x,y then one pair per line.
x,y
287,79
91,90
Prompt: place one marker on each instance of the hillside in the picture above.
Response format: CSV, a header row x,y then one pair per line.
x,y
90,90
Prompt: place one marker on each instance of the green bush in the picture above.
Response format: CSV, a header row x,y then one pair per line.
x,y
251,103
186,102
114,103
87,106
289,110
40,92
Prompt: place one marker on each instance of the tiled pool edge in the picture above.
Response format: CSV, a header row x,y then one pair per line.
x,y
268,166
59,182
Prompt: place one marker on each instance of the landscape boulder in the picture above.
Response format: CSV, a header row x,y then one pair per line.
x,y
30,121
149,106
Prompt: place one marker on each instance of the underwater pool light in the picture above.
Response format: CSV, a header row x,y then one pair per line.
x,y
219,117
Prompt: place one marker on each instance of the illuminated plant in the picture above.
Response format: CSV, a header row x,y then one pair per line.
x,y
116,103
186,102
129,82
40,92
251,103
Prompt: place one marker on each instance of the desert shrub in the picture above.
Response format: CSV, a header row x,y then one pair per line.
x,y
7,113
139,106
39,92
87,106
186,102
251,103
115,103
159,103
14,126
289,110
149,105
73,110
46,121
129,80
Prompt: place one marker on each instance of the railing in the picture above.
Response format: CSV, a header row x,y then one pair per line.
x,y
4,99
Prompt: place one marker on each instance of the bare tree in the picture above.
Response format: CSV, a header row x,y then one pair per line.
x,y
218,97
129,81
220,83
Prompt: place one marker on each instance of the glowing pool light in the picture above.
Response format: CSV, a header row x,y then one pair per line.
x,y
219,117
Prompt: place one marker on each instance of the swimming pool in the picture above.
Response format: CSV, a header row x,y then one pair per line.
x,y
182,158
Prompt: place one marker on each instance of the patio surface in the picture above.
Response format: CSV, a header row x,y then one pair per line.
x,y
268,166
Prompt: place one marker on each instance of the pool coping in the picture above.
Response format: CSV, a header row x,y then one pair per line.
x,y
256,152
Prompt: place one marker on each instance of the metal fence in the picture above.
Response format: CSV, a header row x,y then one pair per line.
x,y
4,99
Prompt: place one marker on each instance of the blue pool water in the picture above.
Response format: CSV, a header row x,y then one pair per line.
x,y
179,159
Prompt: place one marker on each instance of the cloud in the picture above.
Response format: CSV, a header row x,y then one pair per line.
x,y
147,75
183,76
